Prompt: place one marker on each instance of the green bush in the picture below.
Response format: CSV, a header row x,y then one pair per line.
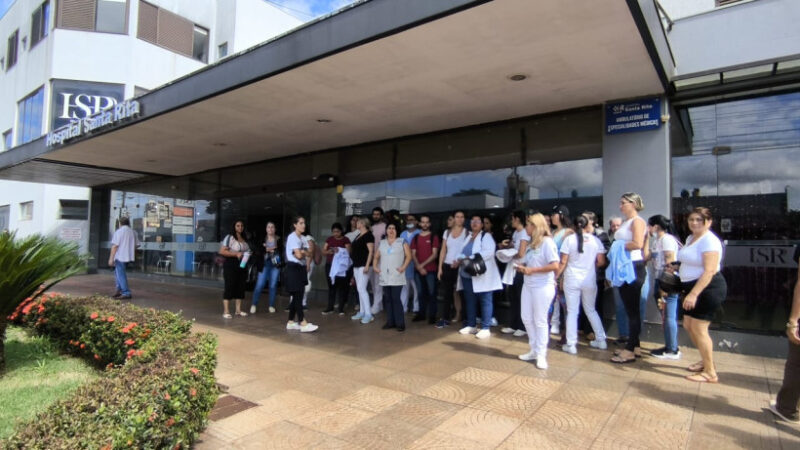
x,y
159,385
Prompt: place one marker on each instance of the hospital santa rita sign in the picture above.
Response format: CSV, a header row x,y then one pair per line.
x,y
83,127
636,115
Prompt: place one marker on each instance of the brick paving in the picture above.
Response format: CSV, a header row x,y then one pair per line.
x,y
357,386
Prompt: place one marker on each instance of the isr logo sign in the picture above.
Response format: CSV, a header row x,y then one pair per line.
x,y
78,106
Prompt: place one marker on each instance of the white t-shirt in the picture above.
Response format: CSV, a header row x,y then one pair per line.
x,y
518,237
667,243
293,242
537,257
691,255
126,241
625,234
581,267
454,245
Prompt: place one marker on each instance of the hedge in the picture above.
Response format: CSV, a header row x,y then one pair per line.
x,y
158,385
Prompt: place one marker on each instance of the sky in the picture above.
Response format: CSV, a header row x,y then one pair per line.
x,y
307,9
4,5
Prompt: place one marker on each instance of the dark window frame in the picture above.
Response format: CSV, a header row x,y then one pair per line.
x,y
42,22
12,51
73,209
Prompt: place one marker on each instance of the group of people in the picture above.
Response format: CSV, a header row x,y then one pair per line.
x,y
552,266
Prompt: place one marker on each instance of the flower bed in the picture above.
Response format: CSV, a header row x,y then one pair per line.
x,y
158,386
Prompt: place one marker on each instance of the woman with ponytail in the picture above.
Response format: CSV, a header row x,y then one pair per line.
x,y
666,251
581,254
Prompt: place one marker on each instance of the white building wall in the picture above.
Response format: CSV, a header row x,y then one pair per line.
x,y
108,58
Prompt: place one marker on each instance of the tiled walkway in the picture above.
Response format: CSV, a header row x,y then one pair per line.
x,y
357,386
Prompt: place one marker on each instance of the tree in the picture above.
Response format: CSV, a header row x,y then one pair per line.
x,y
29,267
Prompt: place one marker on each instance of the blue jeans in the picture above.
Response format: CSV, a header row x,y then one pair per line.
x,y
426,286
472,298
671,322
272,273
121,278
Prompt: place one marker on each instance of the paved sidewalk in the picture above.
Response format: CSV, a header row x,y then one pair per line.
x,y
357,386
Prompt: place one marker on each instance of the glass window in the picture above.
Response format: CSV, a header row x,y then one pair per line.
x,y
26,211
743,165
200,44
11,50
222,50
40,23
31,112
8,139
74,209
111,16
4,217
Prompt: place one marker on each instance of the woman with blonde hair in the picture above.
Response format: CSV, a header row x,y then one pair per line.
x,y
628,252
539,267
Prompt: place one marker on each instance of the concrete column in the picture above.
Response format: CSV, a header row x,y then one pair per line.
x,y
638,162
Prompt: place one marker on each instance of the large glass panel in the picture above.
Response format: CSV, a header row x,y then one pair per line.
x,y
743,165
30,117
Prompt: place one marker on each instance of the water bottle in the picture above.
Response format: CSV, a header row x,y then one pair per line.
x,y
245,257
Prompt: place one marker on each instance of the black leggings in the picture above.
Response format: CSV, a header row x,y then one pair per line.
x,y
449,280
296,305
631,294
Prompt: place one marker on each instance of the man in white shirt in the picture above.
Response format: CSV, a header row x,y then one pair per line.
x,y
123,247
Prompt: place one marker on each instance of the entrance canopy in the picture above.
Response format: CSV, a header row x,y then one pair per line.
x,y
379,70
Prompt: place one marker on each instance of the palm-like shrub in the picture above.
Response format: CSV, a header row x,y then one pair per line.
x,y
28,267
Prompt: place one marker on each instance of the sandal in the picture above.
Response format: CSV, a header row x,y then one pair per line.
x,y
696,367
227,316
620,359
637,352
703,377
241,314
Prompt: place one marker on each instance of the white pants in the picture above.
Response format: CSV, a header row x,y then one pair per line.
x,y
576,296
361,286
377,291
406,292
535,303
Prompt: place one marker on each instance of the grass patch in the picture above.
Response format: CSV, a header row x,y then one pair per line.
x,y
36,376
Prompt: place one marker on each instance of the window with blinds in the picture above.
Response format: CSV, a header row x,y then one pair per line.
x,y
40,22
169,30
107,16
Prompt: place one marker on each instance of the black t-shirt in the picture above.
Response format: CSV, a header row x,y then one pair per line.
x,y
359,251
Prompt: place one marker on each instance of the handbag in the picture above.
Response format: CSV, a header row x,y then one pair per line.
x,y
277,261
670,282
474,266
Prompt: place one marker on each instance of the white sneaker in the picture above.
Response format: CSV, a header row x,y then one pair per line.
x,y
597,343
292,326
554,329
569,349
272,310
507,330
494,322
468,330
483,334
530,356
541,363
252,309
308,328
519,333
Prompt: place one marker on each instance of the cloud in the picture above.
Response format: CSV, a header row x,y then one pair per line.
x,y
309,9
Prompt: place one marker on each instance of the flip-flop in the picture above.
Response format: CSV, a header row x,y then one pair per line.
x,y
620,360
703,377
696,367
637,352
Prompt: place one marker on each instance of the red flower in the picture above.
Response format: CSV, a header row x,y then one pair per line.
x,y
131,352
170,422
93,316
194,370
83,346
110,318
110,365
130,342
166,396
97,357
139,352
193,392
27,308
